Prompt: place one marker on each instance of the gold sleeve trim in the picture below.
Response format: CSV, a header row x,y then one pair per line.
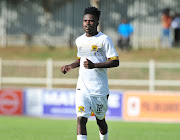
x,y
78,58
113,58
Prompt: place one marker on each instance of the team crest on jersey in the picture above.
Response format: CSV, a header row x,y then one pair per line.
x,y
81,109
94,49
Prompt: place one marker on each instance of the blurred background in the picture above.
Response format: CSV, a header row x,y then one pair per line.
x,y
59,22
37,38
44,32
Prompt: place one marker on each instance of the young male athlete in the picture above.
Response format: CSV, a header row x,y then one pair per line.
x,y
95,53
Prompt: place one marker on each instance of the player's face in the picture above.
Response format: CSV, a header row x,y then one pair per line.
x,y
90,24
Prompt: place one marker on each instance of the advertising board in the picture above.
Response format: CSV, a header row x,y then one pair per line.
x,y
11,102
58,102
33,104
160,106
61,103
115,105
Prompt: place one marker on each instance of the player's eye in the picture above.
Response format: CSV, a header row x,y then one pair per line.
x,y
88,20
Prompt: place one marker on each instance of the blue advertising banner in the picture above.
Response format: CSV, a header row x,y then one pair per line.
x,y
61,103
115,105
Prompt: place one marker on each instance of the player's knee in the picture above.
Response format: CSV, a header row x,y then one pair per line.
x,y
81,120
101,122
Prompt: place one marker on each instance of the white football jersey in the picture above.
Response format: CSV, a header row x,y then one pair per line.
x,y
98,49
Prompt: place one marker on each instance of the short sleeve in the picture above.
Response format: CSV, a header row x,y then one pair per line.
x,y
110,50
78,55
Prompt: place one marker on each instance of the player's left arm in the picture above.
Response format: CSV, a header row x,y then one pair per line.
x,y
108,64
111,54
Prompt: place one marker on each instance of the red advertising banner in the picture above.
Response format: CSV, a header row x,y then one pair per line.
x,y
11,102
160,106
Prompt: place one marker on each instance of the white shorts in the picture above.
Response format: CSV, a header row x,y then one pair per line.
x,y
85,104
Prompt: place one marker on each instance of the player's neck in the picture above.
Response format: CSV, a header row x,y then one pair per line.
x,y
92,33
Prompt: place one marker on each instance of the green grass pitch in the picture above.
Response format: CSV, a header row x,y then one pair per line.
x,y
27,128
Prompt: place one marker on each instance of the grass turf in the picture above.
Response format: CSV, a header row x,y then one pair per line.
x,y
60,54
26,128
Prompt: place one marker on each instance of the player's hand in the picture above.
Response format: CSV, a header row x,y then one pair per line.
x,y
88,64
65,69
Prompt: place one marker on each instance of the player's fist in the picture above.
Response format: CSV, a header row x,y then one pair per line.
x,y
65,69
88,64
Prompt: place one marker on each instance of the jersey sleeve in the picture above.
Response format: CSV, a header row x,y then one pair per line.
x,y
78,55
110,50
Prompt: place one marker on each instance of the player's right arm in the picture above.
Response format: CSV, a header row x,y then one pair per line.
x,y
67,68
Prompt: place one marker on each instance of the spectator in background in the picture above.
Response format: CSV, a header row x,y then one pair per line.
x,y
166,20
176,26
125,31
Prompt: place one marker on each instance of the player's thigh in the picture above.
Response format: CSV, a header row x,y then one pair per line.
x,y
100,106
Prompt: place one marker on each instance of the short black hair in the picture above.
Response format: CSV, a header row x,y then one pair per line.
x,y
93,11
166,10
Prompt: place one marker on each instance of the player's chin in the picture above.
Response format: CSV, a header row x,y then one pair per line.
x,y
87,31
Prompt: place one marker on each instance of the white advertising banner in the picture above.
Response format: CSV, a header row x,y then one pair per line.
x,y
33,104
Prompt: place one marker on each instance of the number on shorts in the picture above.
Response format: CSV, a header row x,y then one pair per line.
x,y
99,107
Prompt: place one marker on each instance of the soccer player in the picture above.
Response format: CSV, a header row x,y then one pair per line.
x,y
95,53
